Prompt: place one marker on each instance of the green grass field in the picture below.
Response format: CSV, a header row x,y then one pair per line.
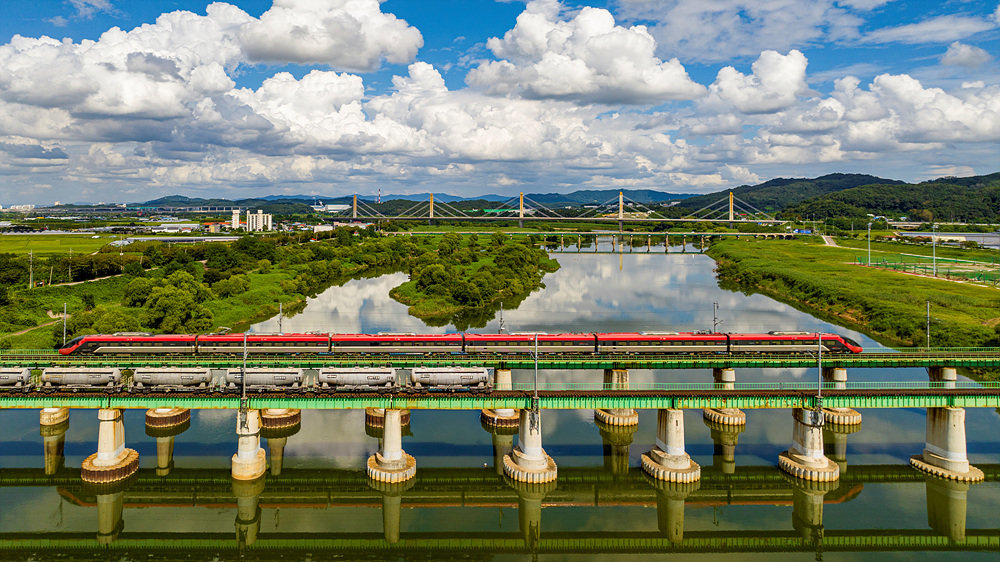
x,y
52,244
888,305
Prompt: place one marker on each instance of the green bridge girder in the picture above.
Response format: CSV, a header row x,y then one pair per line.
x,y
548,400
490,543
977,357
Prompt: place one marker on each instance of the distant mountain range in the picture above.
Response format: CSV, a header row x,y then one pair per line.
x,y
576,198
833,195
969,199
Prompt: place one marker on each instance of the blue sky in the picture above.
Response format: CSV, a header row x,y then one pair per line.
x,y
104,100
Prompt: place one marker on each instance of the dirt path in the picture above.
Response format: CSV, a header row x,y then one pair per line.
x,y
829,241
26,330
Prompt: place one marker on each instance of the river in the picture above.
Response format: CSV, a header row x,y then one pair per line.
x,y
322,493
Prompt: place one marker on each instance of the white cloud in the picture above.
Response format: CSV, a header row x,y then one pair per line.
x,y
87,8
586,57
722,29
933,30
775,83
349,34
969,56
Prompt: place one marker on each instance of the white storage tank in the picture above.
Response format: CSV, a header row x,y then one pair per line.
x,y
451,378
358,378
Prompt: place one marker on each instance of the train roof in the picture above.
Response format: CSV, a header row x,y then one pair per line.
x,y
396,337
638,336
589,337
256,338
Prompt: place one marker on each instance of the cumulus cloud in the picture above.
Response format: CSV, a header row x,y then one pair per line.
x,y
934,30
969,56
775,83
723,29
586,57
87,8
349,34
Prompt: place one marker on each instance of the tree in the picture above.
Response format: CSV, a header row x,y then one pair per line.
x,y
173,310
235,285
137,291
449,243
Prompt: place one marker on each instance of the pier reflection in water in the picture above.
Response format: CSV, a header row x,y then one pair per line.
x,y
541,509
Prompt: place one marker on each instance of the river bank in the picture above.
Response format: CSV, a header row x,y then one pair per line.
x,y
890,306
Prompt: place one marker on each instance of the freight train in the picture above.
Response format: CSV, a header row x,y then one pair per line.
x,y
458,343
229,381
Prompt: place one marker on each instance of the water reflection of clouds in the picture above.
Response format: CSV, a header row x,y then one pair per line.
x,y
359,306
626,292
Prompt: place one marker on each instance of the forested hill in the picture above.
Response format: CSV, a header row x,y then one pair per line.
x,y
774,195
971,199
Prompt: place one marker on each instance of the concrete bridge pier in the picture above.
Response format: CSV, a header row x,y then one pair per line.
x,y
724,440
616,442
277,437
53,443
528,462
944,452
274,418
112,461
725,379
670,499
375,417
616,379
839,416
110,505
501,417
53,416
946,506
164,424
247,494
807,508
250,461
805,458
529,509
391,464
667,460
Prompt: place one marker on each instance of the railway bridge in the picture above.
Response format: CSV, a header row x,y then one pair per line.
x,y
821,412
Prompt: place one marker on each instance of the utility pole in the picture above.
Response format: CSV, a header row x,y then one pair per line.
x,y
819,369
64,324
715,318
70,280
934,247
280,313
31,270
869,244
928,330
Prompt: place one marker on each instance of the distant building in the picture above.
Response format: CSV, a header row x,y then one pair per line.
x,y
236,219
258,221
177,227
329,208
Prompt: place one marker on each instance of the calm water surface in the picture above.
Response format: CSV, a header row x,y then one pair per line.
x,y
321,505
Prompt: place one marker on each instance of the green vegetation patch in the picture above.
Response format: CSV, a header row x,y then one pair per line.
x,y
889,306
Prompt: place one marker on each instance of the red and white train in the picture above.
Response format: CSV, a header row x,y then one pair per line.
x,y
338,344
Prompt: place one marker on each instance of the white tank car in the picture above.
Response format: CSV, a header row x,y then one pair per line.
x,y
171,377
357,378
451,378
17,377
81,377
265,378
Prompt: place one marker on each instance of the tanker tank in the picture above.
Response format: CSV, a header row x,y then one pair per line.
x,y
16,377
358,378
260,379
451,378
77,378
180,378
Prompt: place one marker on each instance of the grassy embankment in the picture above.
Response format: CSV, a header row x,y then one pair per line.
x,y
889,306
